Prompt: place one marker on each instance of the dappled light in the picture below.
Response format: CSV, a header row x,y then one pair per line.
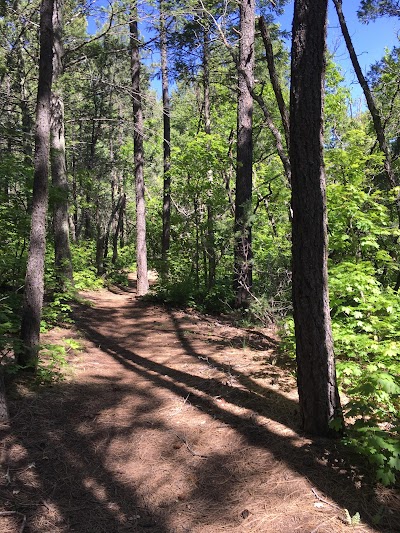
x,y
166,425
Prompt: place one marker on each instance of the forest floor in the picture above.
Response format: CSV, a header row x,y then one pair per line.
x,y
170,422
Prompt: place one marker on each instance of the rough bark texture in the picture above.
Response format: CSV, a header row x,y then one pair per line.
x,y
63,262
34,283
119,229
166,233
319,399
141,249
269,54
244,183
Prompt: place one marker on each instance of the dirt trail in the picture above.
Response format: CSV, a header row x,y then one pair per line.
x,y
173,422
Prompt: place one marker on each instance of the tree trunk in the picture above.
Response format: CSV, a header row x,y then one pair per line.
x,y
210,238
166,233
34,282
119,229
269,53
63,262
243,256
376,118
141,249
316,377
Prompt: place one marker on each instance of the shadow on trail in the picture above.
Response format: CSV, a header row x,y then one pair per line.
x,y
60,478
69,472
321,463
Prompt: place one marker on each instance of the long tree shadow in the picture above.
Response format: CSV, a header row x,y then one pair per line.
x,y
318,462
55,457
99,456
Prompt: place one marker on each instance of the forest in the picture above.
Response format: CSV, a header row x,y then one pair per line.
x,y
226,163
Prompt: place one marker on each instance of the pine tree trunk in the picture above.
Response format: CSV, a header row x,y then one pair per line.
x,y
63,262
269,53
210,238
243,256
166,233
318,394
119,229
34,282
141,248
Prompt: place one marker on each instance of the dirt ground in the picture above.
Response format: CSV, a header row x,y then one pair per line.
x,y
174,422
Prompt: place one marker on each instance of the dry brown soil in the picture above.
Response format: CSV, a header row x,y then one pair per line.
x,y
173,421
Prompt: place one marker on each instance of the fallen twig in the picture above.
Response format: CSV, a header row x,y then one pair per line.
x,y
323,500
195,454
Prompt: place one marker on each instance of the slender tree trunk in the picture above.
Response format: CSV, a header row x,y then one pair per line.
x,y
376,118
166,233
63,261
141,249
73,217
100,245
26,118
316,378
34,282
119,229
269,53
115,210
243,257
211,260
197,249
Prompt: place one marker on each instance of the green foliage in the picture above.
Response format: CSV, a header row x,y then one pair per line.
x,y
118,277
83,259
372,9
381,450
15,178
366,327
9,325
352,520
52,364
176,293
56,311
184,293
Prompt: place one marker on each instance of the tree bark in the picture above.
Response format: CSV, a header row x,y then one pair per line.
x,y
34,282
269,53
166,232
141,248
243,256
63,261
210,238
316,377
119,229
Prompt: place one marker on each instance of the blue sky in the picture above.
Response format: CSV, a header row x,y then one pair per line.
x,y
370,41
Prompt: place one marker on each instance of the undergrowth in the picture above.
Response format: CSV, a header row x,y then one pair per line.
x,y
366,330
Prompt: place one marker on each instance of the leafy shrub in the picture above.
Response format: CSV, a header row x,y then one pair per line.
x,y
56,311
119,277
87,279
185,294
366,330
52,364
9,325
176,293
